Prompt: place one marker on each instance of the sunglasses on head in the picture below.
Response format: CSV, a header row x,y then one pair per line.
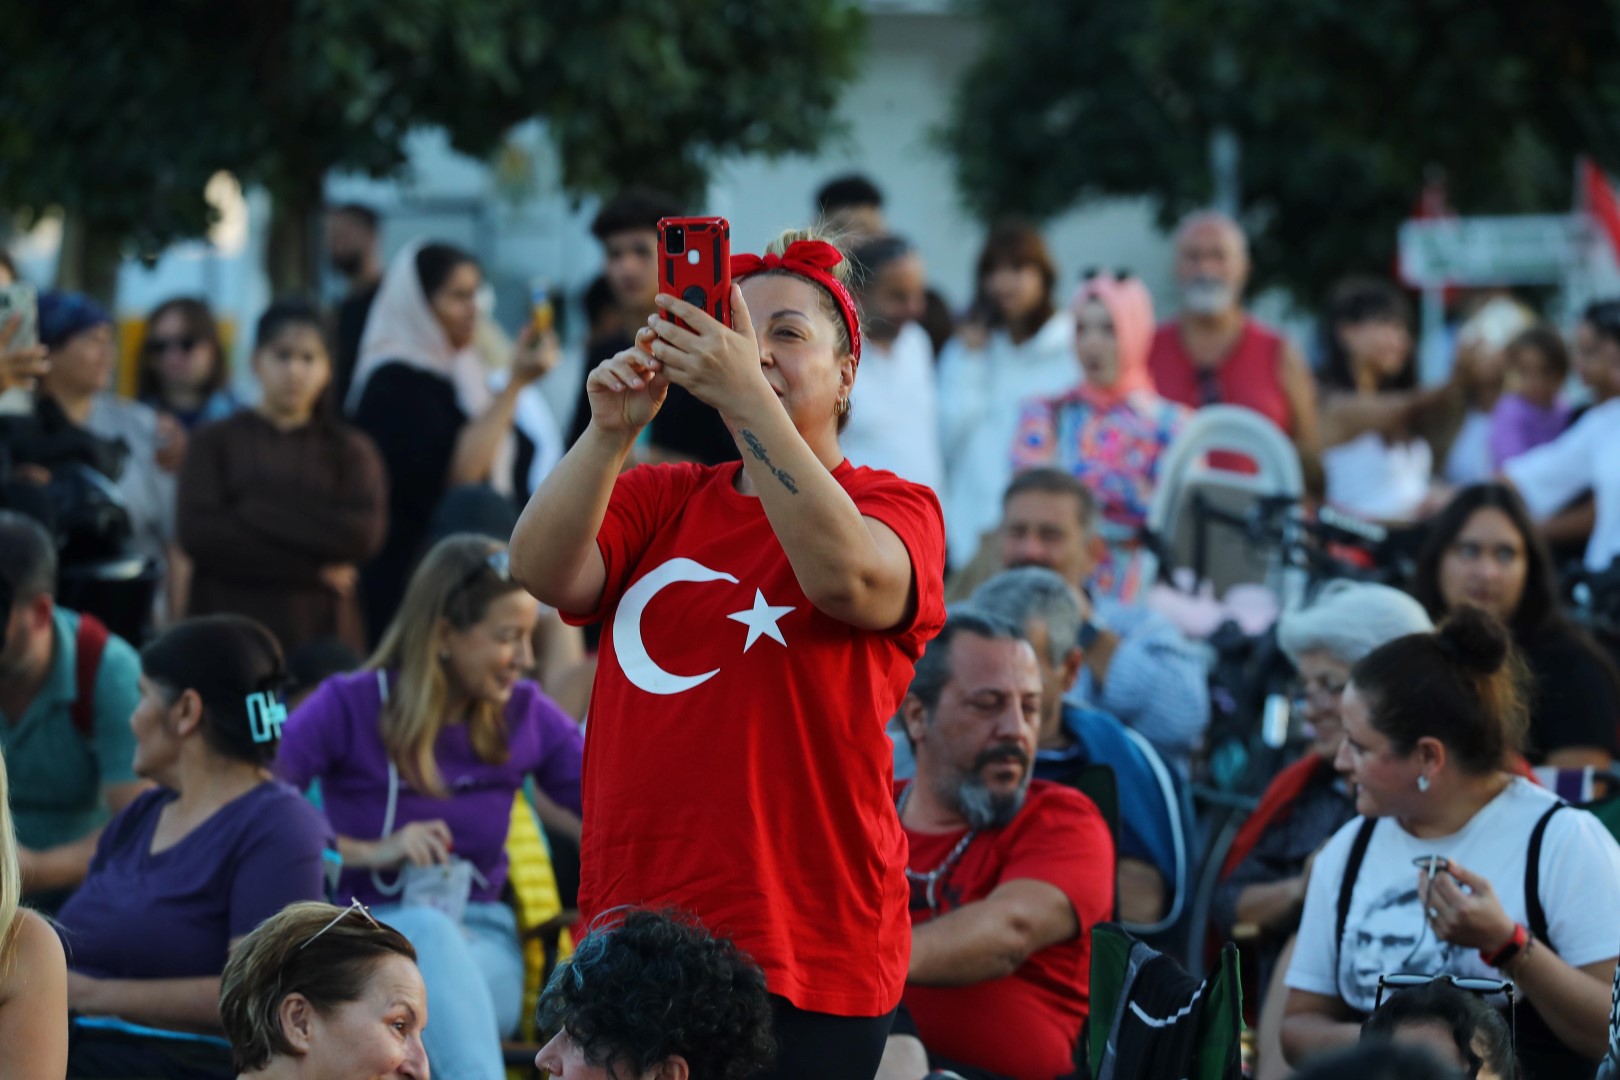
x,y
497,562
355,906
1482,987
1119,273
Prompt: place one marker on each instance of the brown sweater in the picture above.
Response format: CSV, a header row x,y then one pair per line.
x,y
262,511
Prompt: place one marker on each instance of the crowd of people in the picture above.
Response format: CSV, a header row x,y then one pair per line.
x,y
280,664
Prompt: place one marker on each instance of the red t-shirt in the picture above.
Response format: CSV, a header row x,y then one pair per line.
x,y
1248,375
736,764
1026,1024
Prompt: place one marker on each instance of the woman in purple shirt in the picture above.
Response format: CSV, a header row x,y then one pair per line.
x,y
192,865
419,756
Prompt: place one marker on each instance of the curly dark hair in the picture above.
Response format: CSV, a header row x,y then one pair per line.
x,y
644,986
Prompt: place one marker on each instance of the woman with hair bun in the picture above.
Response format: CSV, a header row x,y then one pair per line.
x,y
762,618
187,869
1457,866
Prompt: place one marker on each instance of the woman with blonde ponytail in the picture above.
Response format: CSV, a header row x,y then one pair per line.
x,y
762,619
420,755
33,974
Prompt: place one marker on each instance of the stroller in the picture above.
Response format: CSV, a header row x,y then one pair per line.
x,y
1220,485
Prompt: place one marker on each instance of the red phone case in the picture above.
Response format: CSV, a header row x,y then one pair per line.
x,y
700,272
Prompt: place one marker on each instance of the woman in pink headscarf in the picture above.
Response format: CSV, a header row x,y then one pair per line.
x,y
1110,430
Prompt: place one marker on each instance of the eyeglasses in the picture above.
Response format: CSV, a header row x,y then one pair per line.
x,y
159,346
1482,987
354,906
1304,691
1435,865
497,562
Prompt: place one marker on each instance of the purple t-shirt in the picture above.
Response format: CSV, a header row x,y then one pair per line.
x,y
335,737
1519,425
173,915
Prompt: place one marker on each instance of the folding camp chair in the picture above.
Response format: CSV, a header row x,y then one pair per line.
x,y
1145,1010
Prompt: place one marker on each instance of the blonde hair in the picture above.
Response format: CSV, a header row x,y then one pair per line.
x,y
844,272
10,874
453,586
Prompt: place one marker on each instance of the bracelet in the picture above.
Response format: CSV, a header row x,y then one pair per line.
x,y
1517,942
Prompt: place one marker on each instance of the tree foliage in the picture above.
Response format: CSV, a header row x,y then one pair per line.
x,y
121,112
1342,108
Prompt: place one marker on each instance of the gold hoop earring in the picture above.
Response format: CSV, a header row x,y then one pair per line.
x,y
841,409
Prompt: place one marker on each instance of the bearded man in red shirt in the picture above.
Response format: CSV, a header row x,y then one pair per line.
x,y
1008,874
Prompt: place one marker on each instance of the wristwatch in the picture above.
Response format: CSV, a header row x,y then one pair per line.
x,y
1089,632
1504,955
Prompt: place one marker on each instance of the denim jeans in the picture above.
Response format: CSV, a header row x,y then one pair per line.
x,y
474,977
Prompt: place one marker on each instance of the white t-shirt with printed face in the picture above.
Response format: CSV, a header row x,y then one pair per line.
x,y
1386,930
1584,458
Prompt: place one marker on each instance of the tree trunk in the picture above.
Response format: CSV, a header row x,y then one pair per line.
x,y
90,258
293,251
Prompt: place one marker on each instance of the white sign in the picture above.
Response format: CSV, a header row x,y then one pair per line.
x,y
1535,249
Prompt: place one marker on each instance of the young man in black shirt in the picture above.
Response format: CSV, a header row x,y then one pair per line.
x,y
352,249
685,429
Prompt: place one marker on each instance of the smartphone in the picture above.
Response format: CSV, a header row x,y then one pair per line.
x,y
541,313
19,298
694,263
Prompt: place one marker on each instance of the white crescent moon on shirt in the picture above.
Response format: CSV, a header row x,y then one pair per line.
x,y
637,666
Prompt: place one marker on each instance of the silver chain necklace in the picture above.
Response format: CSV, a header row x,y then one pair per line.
x,y
931,879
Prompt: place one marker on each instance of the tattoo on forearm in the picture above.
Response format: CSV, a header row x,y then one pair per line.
x,y
757,448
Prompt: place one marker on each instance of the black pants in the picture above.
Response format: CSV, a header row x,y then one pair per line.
x,y
819,1046
119,1055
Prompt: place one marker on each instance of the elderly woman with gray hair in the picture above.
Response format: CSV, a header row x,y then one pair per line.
x,y
1263,879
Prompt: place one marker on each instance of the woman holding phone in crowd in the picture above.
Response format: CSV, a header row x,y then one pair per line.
x,y
423,394
784,836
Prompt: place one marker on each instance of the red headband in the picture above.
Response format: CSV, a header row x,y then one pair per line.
x,y
810,259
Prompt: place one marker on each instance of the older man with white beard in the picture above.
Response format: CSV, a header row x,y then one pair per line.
x,y
1008,874
1215,352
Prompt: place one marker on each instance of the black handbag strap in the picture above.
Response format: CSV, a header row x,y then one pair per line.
x,y
1532,876
1347,885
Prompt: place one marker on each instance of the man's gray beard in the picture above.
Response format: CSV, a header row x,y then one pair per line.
x,y
1205,296
983,808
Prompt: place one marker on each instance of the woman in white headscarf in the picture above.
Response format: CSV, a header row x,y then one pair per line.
x,y
422,394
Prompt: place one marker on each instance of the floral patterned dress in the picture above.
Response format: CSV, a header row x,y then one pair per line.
x,y
1115,452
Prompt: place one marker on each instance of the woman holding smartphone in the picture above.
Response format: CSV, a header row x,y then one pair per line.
x,y
762,619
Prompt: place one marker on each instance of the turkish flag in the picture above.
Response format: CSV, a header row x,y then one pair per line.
x,y
1601,203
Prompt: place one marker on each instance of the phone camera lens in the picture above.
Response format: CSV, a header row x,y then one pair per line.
x,y
675,239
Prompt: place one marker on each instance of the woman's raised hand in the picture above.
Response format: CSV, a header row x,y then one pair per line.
x,y
534,355
626,391
19,367
717,364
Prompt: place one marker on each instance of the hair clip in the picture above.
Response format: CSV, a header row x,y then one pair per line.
x,y
265,716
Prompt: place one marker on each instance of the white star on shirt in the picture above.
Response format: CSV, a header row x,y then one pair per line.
x,y
761,619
